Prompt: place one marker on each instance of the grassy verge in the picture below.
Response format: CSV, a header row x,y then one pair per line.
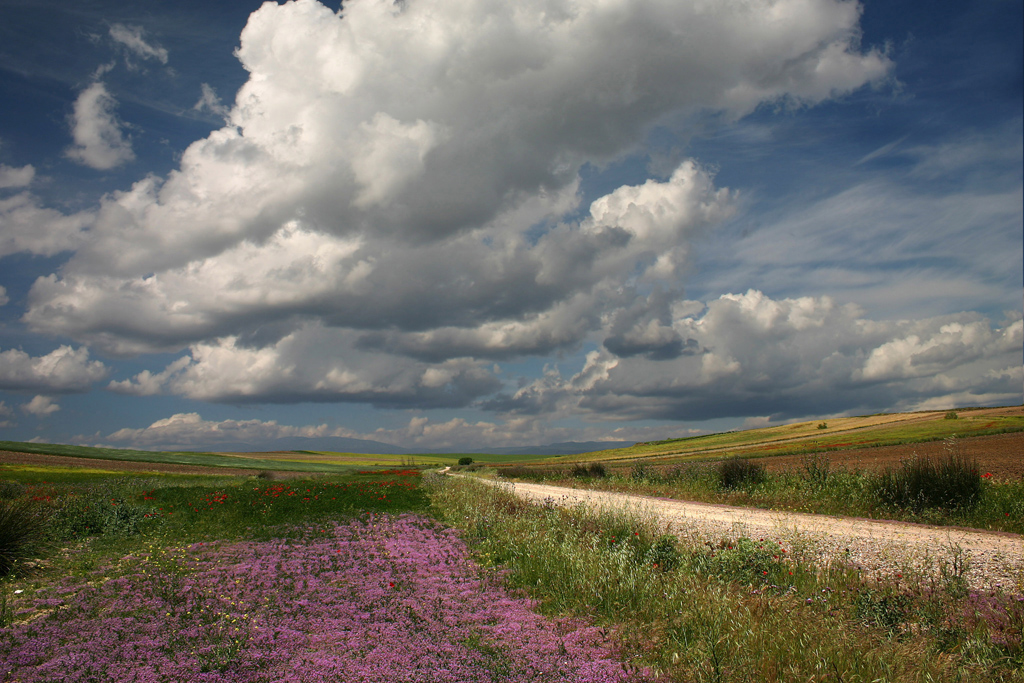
x,y
816,487
743,610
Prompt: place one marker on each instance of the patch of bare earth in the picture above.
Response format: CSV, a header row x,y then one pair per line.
x,y
1000,454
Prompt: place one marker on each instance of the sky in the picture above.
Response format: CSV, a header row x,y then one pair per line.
x,y
470,224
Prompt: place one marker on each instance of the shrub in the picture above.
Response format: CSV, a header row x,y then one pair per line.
x,y
642,471
736,472
817,469
664,554
882,608
953,481
595,471
466,461
822,425
951,415
742,561
76,516
22,528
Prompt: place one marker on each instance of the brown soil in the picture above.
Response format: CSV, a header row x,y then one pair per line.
x,y
1002,455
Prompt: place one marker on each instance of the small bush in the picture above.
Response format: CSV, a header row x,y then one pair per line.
x,y
77,516
664,555
465,461
22,529
951,415
817,469
822,425
737,472
642,471
952,482
742,561
882,608
594,471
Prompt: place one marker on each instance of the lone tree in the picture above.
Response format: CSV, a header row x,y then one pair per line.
x,y
466,461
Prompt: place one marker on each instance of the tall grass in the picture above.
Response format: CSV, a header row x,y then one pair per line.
x,y
22,533
947,491
735,473
740,611
953,481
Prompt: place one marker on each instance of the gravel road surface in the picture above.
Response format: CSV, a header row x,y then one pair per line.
x,y
893,549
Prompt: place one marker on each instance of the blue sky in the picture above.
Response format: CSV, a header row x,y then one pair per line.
x,y
459,225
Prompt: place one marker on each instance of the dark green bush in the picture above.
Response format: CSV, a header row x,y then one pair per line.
x,y
594,471
883,608
22,533
77,516
737,472
531,473
466,461
952,481
742,561
664,554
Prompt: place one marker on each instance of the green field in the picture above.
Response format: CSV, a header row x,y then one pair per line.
x,y
229,558
322,462
813,436
172,458
810,437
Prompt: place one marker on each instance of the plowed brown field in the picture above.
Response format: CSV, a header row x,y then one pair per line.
x,y
1000,454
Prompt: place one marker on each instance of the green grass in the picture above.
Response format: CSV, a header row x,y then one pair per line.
x,y
806,437
172,457
815,488
283,462
106,517
745,610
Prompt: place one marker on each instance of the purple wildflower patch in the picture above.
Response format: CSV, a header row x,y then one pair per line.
x,y
381,598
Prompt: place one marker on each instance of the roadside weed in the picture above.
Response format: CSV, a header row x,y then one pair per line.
x,y
738,610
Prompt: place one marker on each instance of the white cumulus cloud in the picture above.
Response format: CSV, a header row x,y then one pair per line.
x,y
63,370
16,177
99,140
749,355
27,226
190,430
40,406
392,205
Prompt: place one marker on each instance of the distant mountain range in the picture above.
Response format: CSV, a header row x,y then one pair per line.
x,y
341,444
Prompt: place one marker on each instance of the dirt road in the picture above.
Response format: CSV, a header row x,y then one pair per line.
x,y
909,552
